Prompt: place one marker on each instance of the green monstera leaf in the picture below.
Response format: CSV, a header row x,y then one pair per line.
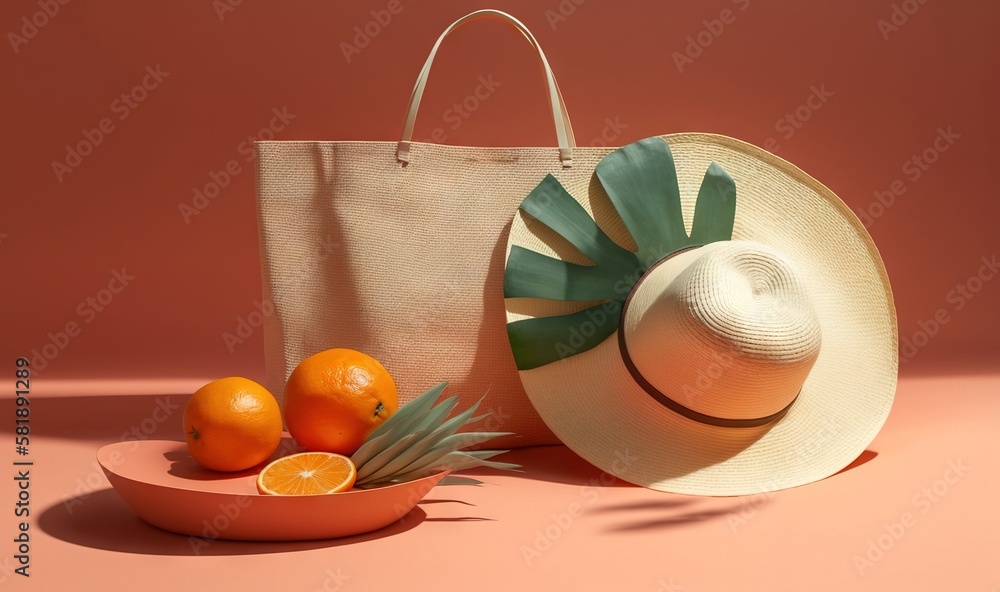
x,y
641,181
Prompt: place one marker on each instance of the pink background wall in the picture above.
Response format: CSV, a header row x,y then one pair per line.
x,y
881,94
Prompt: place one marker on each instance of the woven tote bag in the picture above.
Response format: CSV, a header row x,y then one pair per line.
x,y
396,249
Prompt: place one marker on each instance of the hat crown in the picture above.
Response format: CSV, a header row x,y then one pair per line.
x,y
726,330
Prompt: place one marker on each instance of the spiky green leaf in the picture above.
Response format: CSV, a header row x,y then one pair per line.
x,y
412,410
399,424
419,436
443,447
453,461
391,452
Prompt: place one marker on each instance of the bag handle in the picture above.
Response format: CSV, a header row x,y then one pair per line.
x,y
564,130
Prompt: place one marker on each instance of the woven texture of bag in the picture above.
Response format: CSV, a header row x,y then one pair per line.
x,y
404,260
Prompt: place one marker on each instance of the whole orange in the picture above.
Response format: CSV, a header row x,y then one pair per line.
x,y
232,424
336,398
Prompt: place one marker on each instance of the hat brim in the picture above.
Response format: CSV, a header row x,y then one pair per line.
x,y
592,403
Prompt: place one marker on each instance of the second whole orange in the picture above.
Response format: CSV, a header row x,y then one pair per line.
x,y
232,424
334,399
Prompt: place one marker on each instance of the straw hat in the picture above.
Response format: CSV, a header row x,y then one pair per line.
x,y
702,317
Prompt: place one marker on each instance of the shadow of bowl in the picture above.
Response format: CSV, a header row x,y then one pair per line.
x,y
101,520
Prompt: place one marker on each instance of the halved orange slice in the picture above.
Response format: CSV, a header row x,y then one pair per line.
x,y
307,473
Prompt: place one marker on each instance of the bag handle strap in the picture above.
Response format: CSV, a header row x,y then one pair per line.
x,y
564,130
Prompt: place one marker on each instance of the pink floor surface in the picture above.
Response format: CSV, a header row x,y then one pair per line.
x,y
918,511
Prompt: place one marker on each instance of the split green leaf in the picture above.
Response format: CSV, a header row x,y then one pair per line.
x,y
641,182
